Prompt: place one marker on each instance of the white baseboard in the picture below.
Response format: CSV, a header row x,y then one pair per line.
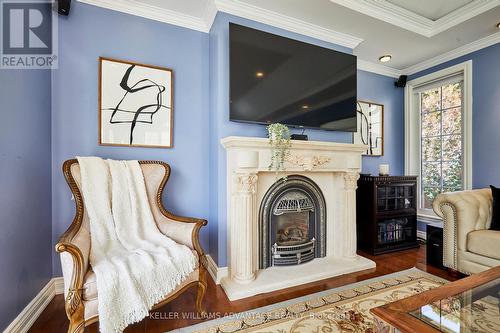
x,y
59,285
421,234
23,322
428,219
217,273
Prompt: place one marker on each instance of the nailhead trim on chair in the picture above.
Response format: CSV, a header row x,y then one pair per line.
x,y
455,232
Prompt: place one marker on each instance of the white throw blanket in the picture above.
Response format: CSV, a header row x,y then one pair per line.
x,y
136,266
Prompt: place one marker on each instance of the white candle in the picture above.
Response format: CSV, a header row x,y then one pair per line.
x,y
383,169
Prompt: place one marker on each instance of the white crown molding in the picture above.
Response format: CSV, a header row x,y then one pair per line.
x,y
210,13
403,18
380,9
378,69
217,273
23,322
234,7
278,20
137,8
387,12
463,14
442,58
453,54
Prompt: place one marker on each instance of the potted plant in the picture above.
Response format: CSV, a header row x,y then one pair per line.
x,y
279,140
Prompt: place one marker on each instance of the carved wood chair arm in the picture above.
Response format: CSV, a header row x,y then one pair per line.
x,y
184,219
74,266
74,250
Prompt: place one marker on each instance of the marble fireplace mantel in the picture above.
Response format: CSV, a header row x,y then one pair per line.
x,y
334,167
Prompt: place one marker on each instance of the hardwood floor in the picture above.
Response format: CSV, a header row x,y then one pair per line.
x,y
53,319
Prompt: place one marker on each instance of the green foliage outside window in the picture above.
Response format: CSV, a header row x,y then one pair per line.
x,y
441,145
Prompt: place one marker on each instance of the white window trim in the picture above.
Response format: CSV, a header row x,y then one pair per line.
x,y
412,125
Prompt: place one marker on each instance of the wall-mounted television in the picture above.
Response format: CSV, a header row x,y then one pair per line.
x,y
274,79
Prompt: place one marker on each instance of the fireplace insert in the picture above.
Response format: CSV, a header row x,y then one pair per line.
x,y
292,223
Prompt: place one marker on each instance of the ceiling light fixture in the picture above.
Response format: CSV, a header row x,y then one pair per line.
x,y
259,74
498,25
305,107
385,58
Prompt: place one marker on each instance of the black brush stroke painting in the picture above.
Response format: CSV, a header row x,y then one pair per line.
x,y
150,108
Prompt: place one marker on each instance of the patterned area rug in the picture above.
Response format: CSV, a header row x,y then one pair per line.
x,y
344,309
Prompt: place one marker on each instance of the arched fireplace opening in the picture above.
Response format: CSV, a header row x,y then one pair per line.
x,y
292,223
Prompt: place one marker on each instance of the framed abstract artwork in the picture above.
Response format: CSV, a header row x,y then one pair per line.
x,y
370,127
135,104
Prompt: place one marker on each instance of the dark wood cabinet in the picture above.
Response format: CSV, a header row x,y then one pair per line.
x,y
386,213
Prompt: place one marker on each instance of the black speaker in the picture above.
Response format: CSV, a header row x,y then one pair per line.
x,y
435,246
401,82
63,7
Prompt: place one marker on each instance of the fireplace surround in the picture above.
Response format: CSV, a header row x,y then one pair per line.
x,y
292,223
331,169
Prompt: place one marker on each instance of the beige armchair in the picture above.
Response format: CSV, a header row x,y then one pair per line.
x,y
80,290
469,246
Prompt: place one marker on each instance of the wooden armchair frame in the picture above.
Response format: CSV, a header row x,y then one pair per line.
x,y
68,243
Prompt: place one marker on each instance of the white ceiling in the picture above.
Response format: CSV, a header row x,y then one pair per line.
x,y
379,37
417,34
431,9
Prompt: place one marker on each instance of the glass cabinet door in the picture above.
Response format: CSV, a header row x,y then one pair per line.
x,y
395,197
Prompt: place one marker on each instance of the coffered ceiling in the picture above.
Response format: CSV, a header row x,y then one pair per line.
x,y
425,17
418,34
431,9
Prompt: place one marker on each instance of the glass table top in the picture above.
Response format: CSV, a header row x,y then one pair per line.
x,y
475,310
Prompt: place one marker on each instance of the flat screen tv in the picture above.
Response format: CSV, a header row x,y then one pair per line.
x,y
274,79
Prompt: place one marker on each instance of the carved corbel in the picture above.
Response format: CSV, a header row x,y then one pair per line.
x,y
351,181
246,183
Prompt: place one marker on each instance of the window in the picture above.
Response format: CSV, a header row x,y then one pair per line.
x,y
441,141
438,110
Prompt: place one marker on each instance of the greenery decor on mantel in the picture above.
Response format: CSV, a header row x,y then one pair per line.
x,y
279,140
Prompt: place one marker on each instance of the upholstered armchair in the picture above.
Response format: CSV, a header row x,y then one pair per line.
x,y
80,290
469,246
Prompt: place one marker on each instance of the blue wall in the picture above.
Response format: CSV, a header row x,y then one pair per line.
x,y
46,134
380,89
90,32
25,162
485,112
201,116
376,88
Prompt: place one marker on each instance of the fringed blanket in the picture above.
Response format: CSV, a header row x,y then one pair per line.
x,y
136,266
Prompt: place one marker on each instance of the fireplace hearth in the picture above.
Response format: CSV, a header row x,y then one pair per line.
x,y
292,223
